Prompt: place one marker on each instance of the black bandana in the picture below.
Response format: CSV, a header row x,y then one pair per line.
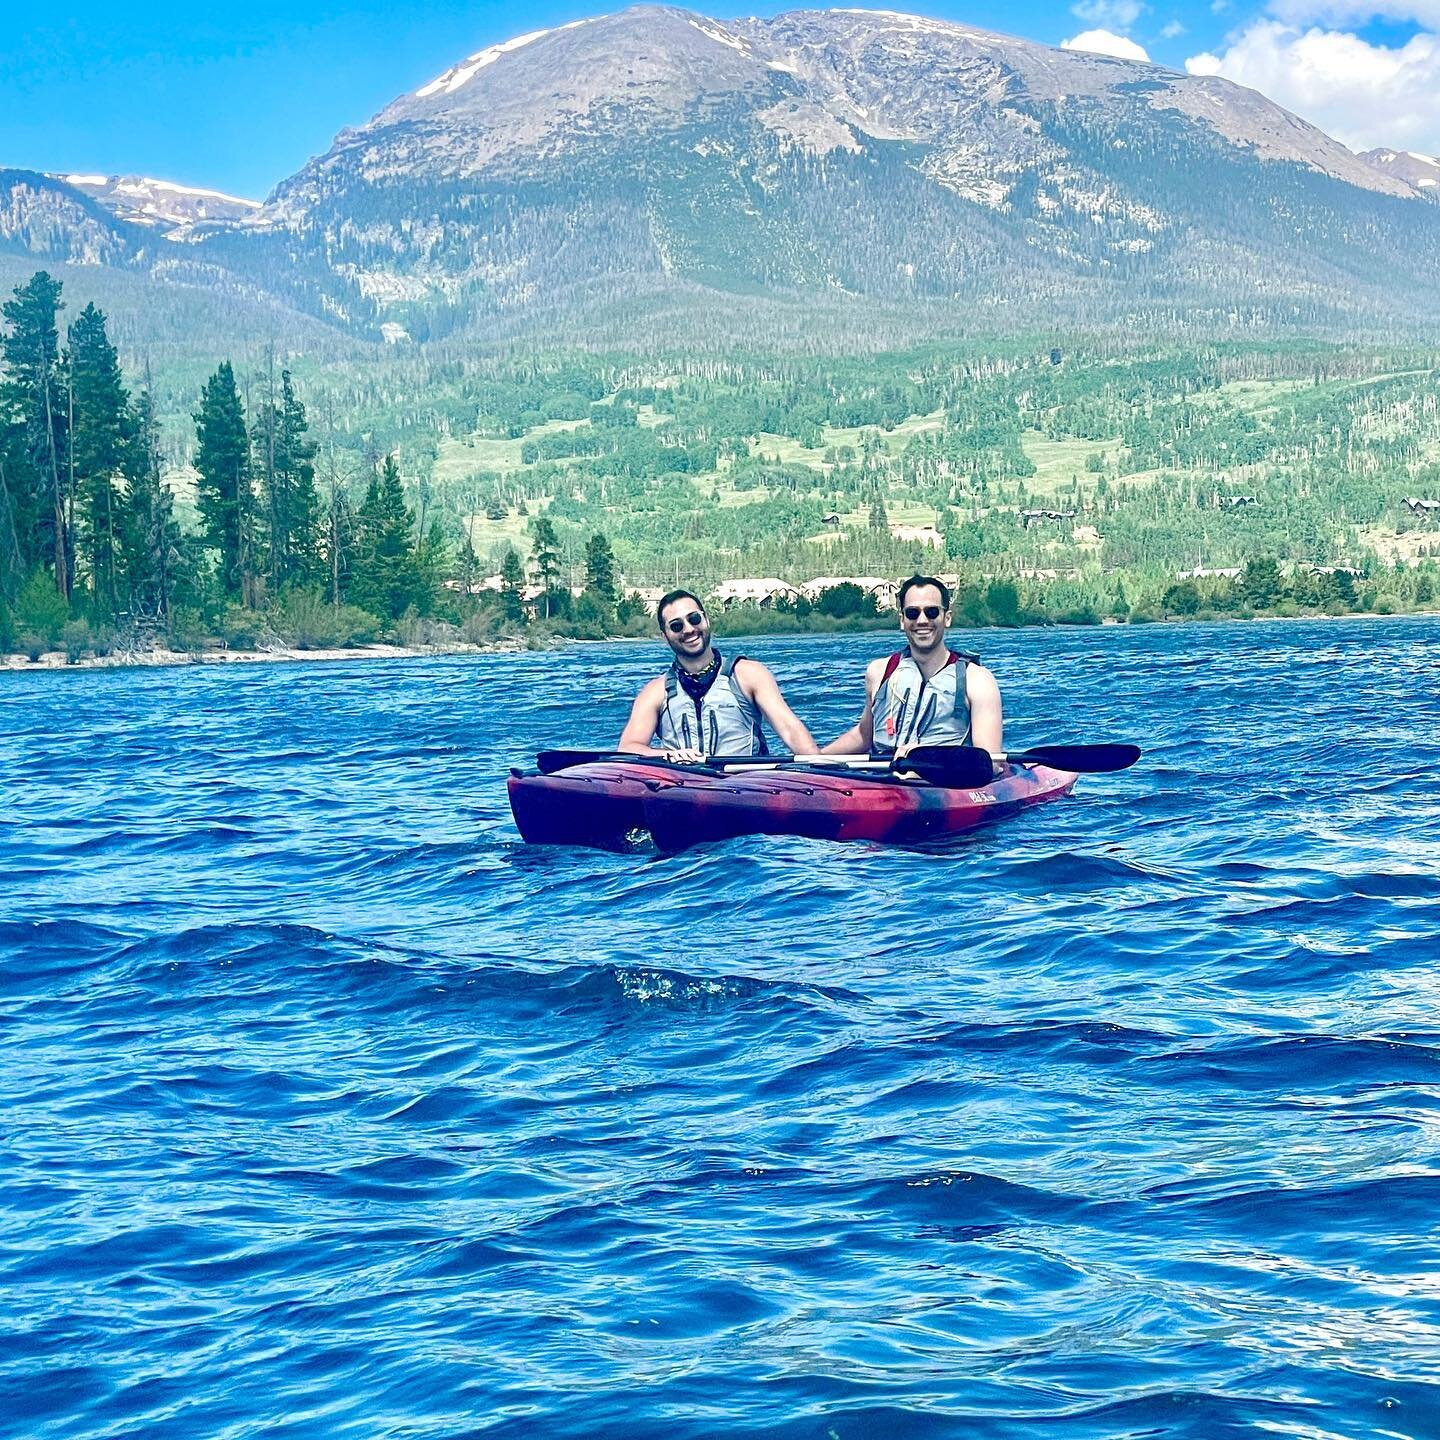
x,y
697,686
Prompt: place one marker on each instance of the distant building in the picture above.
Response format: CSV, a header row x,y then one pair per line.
x,y
1234,502
1422,507
832,520
764,593
884,591
1054,517
1203,572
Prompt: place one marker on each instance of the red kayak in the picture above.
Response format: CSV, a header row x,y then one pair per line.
x,y
601,805
610,803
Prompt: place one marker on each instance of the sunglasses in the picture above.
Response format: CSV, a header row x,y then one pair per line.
x,y
914,612
693,619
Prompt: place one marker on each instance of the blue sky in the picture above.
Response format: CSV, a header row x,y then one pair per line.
x,y
238,98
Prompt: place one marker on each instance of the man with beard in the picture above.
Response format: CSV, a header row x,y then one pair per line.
x,y
706,704
925,694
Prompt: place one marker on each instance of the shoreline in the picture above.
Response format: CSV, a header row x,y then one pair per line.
x,y
155,659
164,658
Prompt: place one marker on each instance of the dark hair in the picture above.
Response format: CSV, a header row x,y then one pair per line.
x,y
915,580
671,598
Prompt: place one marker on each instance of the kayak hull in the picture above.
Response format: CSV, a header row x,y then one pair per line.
x,y
600,805
605,804
838,806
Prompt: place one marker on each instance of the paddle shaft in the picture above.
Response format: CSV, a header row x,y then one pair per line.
x,y
963,766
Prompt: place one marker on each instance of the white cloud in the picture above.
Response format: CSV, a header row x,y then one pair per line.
x,y
1362,94
1355,12
1109,14
1172,31
1103,42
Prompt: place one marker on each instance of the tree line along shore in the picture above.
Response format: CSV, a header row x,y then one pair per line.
x,y
603,481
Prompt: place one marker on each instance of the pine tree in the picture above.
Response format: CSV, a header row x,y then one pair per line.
x,y
99,416
387,577
432,560
224,496
600,572
545,555
31,410
149,536
467,564
286,464
296,463
512,586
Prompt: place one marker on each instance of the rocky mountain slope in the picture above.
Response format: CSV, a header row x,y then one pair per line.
x,y
825,158
1420,172
160,204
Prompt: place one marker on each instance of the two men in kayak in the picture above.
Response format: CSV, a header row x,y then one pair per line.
x,y
925,694
705,703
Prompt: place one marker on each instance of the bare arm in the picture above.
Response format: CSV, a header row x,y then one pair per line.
x,y
759,684
859,738
644,718
987,726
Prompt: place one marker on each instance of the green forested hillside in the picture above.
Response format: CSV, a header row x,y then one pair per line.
x,y
719,470
1084,478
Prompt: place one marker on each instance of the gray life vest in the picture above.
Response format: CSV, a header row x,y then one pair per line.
x,y
908,709
724,721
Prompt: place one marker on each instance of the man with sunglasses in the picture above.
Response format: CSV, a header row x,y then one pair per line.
x,y
925,694
706,704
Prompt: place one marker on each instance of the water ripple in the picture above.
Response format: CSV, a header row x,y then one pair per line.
x,y
333,1110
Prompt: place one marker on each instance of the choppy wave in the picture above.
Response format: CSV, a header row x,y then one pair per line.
x,y
333,1110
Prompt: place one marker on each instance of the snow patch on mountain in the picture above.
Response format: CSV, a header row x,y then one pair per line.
x,y
721,37
461,74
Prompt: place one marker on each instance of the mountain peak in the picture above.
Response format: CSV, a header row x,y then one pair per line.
x,y
860,156
1410,167
162,205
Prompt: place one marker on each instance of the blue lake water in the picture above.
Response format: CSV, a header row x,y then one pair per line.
x,y
331,1109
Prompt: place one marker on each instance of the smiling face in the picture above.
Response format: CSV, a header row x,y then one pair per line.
x,y
923,618
686,630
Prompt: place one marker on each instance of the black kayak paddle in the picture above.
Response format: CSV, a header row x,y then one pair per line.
x,y
963,767
967,767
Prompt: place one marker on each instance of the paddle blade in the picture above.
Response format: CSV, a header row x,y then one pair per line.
x,y
961,767
1081,759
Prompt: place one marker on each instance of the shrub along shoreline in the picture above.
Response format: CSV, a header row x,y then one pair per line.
x,y
485,632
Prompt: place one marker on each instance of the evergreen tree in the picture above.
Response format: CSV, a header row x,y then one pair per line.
x,y
600,570
224,496
149,536
33,418
387,577
467,564
1262,583
545,555
432,560
512,586
99,417
286,463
